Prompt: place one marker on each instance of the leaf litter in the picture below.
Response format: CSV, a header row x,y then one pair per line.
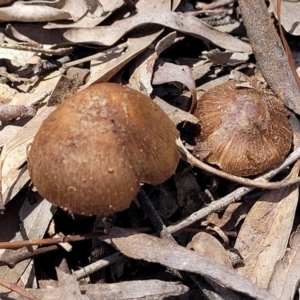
x,y
172,51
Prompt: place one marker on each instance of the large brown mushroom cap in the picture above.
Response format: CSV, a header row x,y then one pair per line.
x,y
246,129
91,154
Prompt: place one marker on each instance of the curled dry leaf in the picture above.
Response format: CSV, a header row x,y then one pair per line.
x,y
143,71
109,35
96,13
167,72
105,68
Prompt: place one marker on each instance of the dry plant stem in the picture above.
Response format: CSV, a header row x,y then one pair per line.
x,y
69,238
95,56
269,52
9,112
12,261
236,195
257,183
98,265
61,51
18,289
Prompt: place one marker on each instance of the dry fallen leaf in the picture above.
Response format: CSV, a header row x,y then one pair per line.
x,y
168,72
34,219
33,12
13,156
153,249
109,35
263,238
144,64
105,68
202,243
69,286
285,278
290,15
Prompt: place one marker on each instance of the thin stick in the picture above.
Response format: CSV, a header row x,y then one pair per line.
x,y
259,182
236,195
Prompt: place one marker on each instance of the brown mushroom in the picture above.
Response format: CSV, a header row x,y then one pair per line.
x,y
245,130
91,154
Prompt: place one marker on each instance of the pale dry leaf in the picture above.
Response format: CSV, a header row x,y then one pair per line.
x,y
285,278
145,6
139,289
290,15
7,132
46,84
69,286
106,67
96,13
19,56
14,156
6,93
22,11
35,221
168,72
232,216
264,235
155,250
109,35
176,115
218,57
144,64
202,243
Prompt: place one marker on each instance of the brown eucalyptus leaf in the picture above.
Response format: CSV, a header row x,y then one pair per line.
x,y
285,278
264,235
155,250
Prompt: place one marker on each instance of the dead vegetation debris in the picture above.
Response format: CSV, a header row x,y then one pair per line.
x,y
202,234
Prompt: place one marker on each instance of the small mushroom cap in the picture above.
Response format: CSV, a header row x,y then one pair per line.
x,y
91,154
246,129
